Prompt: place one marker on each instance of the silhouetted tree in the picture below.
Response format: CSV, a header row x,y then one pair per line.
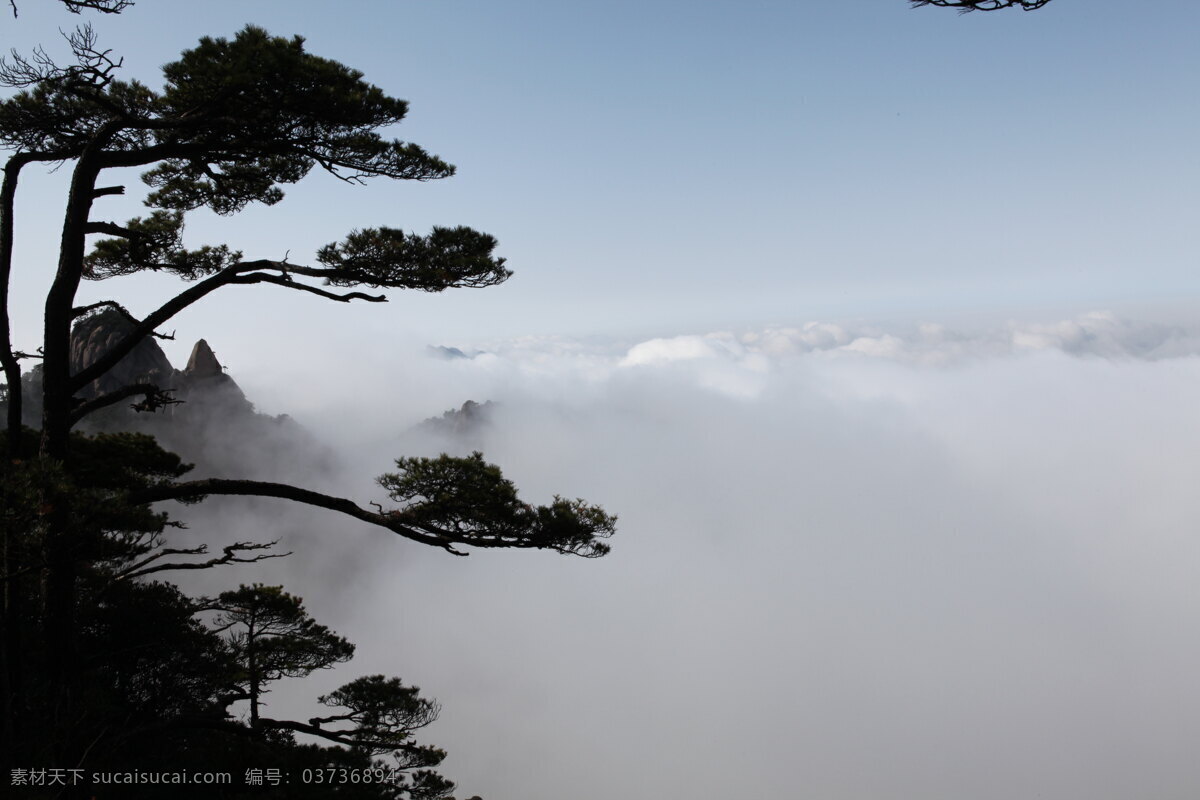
x,y
236,120
272,636
160,671
982,5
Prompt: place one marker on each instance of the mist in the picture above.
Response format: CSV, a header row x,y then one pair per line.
x,y
851,561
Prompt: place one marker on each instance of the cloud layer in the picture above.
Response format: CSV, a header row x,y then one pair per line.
x,y
851,563
1098,333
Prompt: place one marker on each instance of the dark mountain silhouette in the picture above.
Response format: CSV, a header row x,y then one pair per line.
x,y
449,353
464,426
214,425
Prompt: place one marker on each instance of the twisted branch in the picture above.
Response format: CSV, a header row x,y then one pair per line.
x,y
964,6
232,555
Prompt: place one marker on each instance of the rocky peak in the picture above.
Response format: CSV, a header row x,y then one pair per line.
x,y
203,381
96,334
203,362
214,426
468,421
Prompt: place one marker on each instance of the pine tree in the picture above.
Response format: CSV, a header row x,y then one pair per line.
x,y
235,121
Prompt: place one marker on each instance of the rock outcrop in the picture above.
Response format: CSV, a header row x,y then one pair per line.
x,y
205,380
461,423
203,362
214,425
444,353
96,334
202,382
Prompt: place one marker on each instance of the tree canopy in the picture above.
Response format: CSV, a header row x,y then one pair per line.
x,y
85,546
236,120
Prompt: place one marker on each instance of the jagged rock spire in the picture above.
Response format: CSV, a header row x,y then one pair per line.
x,y
203,362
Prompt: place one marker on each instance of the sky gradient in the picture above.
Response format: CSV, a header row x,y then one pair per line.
x,y
679,166
877,327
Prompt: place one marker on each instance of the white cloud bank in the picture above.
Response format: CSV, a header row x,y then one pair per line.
x,y
851,563
1098,333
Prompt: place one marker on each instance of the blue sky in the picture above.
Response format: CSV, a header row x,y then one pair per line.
x,y
869,556
666,167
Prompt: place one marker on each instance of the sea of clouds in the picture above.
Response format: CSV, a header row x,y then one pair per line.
x,y
853,562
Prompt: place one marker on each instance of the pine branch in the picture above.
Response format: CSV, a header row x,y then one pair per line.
x,y
286,282
242,273
197,490
232,555
480,516
80,311
154,398
965,6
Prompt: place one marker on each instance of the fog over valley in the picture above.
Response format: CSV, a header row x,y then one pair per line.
x,y
850,562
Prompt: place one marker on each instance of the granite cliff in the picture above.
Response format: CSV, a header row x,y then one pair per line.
x,y
214,425
202,381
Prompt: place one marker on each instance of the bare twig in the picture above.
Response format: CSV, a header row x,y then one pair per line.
x,y
80,311
232,555
964,6
93,67
77,6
